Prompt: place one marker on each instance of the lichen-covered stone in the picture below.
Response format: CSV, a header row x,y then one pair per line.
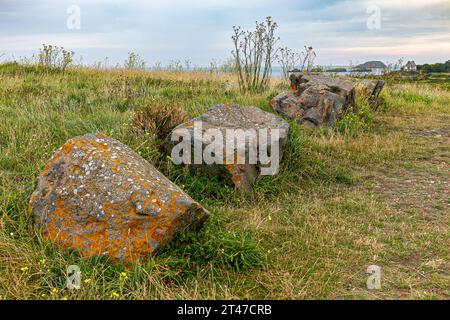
x,y
99,196
226,117
316,100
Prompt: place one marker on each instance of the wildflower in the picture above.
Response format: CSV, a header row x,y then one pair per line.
x,y
123,274
64,298
42,262
269,218
114,295
24,269
54,291
87,280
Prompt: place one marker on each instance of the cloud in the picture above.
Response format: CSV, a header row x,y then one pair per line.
x,y
200,29
67,40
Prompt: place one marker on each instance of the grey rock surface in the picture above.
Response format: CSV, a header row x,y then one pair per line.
x,y
224,118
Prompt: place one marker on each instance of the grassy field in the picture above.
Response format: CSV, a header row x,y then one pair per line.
x,y
376,190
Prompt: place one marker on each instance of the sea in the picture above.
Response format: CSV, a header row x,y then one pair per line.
x,y
277,71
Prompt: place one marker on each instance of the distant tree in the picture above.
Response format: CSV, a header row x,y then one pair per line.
x,y
435,68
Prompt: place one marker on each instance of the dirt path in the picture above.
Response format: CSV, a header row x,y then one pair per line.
x,y
417,196
423,183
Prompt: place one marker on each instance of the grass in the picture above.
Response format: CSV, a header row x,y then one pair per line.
x,y
343,200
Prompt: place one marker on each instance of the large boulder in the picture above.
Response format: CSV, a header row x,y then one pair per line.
x,y
233,160
99,196
317,99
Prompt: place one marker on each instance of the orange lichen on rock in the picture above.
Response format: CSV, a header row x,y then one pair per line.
x,y
236,172
100,197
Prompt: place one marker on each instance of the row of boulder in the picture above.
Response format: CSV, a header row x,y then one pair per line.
x,y
316,100
100,197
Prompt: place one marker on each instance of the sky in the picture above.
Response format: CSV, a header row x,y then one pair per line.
x,y
200,30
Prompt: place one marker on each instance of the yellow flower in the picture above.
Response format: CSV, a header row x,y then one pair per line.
x,y
269,218
123,274
114,295
64,298
87,280
42,262
24,269
54,291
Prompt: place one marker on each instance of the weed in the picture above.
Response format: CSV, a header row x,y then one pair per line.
x,y
54,57
134,61
357,119
158,117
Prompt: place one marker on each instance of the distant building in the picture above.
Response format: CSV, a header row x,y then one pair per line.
x,y
410,66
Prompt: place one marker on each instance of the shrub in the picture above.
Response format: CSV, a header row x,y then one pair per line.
x,y
158,118
288,59
54,57
134,61
254,52
309,55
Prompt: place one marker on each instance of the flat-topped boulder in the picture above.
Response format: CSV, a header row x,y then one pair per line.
x,y
318,99
100,197
236,143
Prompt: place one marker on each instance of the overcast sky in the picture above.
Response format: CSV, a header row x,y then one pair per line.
x,y
200,30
